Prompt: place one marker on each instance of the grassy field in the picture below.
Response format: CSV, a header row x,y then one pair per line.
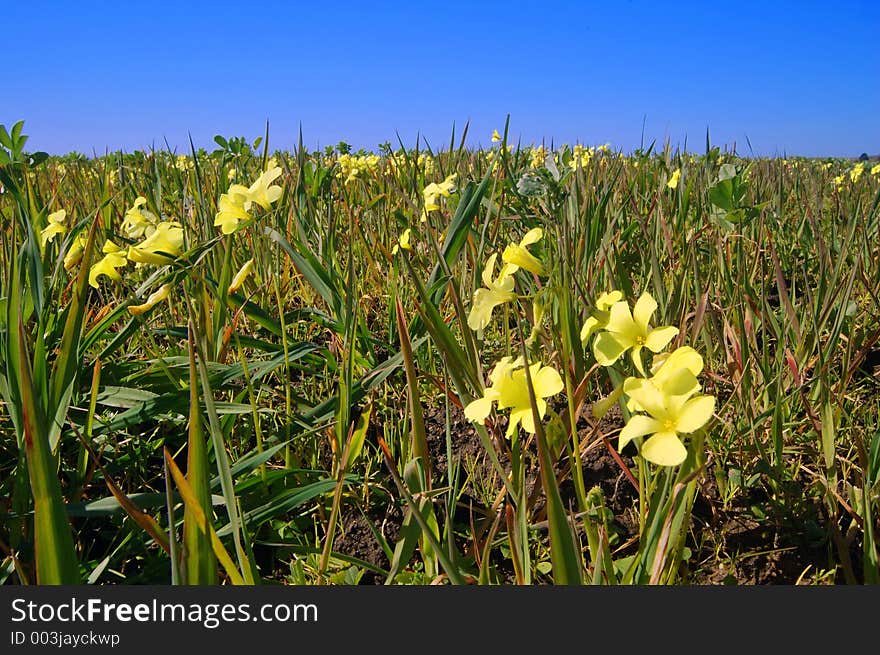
x,y
510,365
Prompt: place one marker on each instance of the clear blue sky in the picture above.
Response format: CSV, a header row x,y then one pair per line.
x,y
792,77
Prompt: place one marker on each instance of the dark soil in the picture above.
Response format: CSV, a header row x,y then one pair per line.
x,y
730,544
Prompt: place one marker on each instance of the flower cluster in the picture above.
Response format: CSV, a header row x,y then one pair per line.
x,y
665,405
510,390
434,191
355,167
235,205
499,290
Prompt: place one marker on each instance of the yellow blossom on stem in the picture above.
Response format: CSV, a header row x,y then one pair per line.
x,y
496,292
114,257
434,191
674,373
55,227
138,222
163,245
673,180
402,242
75,252
631,331
510,390
154,299
242,274
667,416
261,192
234,207
599,318
517,254
857,171
495,136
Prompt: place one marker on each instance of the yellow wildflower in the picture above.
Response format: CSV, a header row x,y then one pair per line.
x,y
434,191
496,292
668,415
875,170
510,390
114,257
55,227
239,278
163,245
599,318
138,222
673,180
495,136
517,254
261,193
625,331
234,206
402,242
856,172
75,252
154,299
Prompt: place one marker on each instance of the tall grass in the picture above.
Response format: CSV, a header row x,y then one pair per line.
x,y
305,424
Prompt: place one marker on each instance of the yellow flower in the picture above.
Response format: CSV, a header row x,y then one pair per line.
x,y
517,254
261,193
495,136
496,292
139,222
875,170
160,247
154,299
674,373
402,242
668,415
673,180
625,331
434,191
241,276
838,181
599,319
75,253
510,390
55,227
856,172
537,157
114,257
234,206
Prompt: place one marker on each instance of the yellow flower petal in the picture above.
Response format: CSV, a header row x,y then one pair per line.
x,y
163,245
516,254
643,310
658,339
241,276
695,414
648,396
113,259
606,300
547,382
637,426
154,299
621,323
590,326
664,449
478,410
607,349
532,236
